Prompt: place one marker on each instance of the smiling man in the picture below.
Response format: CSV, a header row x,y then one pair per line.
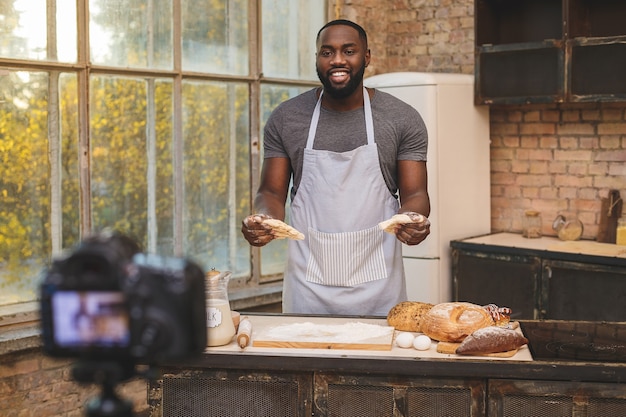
x,y
357,157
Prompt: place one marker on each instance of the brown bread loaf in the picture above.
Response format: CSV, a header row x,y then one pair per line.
x,y
454,321
491,339
407,315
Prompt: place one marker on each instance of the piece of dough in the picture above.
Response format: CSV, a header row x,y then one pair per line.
x,y
389,226
282,230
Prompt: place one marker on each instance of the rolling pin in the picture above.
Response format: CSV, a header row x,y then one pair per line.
x,y
244,333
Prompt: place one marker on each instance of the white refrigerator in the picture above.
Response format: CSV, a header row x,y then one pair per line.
x,y
458,173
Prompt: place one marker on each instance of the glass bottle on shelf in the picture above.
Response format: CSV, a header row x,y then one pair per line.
x,y
620,234
531,225
571,229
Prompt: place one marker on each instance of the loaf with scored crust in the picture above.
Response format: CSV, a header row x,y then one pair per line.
x,y
454,321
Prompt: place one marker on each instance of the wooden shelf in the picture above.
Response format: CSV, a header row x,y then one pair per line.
x,y
544,51
595,18
520,73
500,22
597,69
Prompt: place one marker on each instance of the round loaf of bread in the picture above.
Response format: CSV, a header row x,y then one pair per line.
x,y
454,321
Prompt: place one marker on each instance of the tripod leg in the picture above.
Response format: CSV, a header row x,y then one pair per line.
x,y
108,404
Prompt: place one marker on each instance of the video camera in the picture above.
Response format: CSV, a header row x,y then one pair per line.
x,y
113,307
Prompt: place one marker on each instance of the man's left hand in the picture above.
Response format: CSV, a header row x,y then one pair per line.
x,y
413,233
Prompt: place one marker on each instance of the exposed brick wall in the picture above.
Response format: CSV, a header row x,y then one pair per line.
x,y
414,35
34,385
555,159
558,160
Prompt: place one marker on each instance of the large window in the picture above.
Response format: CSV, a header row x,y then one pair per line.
x,y
142,116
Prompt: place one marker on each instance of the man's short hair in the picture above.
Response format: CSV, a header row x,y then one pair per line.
x,y
344,22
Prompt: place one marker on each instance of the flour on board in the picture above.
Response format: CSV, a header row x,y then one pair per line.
x,y
347,332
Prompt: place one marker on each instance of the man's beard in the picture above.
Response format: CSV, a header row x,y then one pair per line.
x,y
343,92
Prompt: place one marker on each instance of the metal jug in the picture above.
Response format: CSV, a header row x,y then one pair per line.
x,y
220,326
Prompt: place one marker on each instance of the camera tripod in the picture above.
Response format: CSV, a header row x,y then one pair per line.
x,y
107,374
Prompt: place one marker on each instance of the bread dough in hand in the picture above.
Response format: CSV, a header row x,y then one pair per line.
x,y
390,226
282,230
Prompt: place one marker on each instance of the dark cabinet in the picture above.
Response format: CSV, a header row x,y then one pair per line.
x,y
359,395
224,392
218,393
511,398
540,284
583,291
183,392
538,51
502,279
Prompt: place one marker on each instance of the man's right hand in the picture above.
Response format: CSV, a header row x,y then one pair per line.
x,y
255,232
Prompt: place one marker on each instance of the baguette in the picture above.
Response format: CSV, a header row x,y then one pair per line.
x,y
454,321
491,339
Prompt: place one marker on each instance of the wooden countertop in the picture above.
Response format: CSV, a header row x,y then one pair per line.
x,y
262,325
547,246
586,247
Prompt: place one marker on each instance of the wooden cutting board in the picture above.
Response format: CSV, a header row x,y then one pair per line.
x,y
610,211
450,348
312,333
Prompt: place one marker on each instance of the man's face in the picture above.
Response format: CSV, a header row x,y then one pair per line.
x,y
341,60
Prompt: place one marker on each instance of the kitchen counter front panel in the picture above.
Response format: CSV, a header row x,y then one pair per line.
x,y
254,381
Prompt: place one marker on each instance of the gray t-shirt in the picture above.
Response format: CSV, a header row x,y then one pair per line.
x,y
399,132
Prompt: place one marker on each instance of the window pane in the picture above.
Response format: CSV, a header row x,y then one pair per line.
x,y
122,125
163,187
215,40
69,171
24,27
131,33
273,256
217,174
66,30
24,183
289,31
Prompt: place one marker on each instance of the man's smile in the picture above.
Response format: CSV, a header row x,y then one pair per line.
x,y
339,77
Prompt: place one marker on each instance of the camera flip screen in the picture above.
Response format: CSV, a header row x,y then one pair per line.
x,y
90,319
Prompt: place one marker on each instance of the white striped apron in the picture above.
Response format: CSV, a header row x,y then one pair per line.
x,y
346,265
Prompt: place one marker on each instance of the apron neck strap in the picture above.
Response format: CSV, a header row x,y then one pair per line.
x,y
369,120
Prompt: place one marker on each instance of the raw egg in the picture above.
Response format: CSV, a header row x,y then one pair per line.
x,y
405,339
422,342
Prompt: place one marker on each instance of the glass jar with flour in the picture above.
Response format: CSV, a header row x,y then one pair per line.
x,y
219,320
